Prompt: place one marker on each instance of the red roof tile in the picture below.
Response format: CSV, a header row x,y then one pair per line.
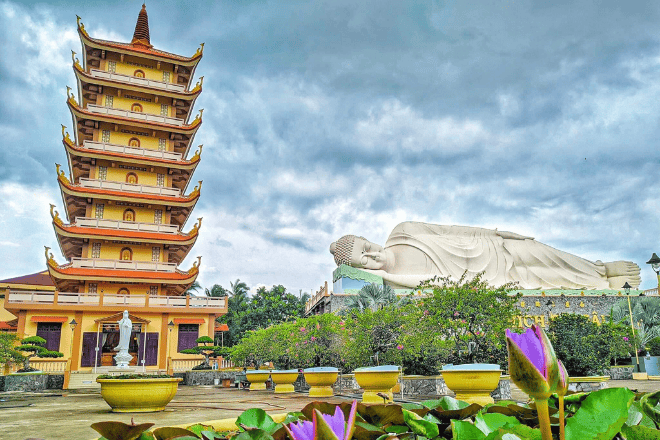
x,y
37,279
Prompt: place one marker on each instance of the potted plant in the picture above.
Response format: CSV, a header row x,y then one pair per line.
x,y
138,392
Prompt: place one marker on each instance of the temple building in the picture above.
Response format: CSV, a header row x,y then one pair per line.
x,y
127,198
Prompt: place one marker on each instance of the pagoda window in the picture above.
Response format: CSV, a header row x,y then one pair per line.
x,y
136,108
112,66
103,173
138,74
96,250
123,291
188,334
158,216
129,215
93,288
162,144
155,254
164,109
134,142
98,212
132,178
160,179
51,332
109,100
105,136
153,290
166,77
126,254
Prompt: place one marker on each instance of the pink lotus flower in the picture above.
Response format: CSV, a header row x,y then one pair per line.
x,y
399,347
325,426
625,338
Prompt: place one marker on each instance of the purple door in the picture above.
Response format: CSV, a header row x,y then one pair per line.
x,y
89,342
150,351
51,332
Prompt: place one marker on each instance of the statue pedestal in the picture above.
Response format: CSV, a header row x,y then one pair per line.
x,y
350,280
122,359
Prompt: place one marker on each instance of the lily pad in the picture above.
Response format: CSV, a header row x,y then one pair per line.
x,y
648,403
169,432
420,426
601,415
461,430
640,433
256,418
488,423
119,430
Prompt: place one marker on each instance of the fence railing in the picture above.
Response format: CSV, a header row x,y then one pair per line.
x,y
99,263
104,223
129,187
136,81
135,151
139,116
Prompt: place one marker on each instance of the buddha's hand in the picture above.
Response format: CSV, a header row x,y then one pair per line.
x,y
512,235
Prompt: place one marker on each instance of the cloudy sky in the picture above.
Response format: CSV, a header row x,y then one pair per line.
x,y
324,118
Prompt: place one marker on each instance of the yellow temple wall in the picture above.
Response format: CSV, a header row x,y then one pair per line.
x,y
114,212
110,251
124,103
4,314
65,338
149,69
116,174
113,288
118,137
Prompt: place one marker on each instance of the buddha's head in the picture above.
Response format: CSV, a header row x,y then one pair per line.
x,y
359,252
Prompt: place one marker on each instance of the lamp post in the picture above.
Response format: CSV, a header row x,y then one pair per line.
x,y
73,325
627,288
655,265
170,327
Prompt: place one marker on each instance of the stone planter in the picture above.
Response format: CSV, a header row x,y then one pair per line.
x,y
257,379
587,383
320,380
472,383
283,380
377,380
652,365
138,395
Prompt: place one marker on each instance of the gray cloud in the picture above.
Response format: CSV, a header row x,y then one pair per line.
x,y
331,117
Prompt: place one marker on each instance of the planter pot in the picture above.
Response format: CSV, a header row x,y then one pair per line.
x,y
283,380
320,380
138,395
375,380
652,365
257,379
472,383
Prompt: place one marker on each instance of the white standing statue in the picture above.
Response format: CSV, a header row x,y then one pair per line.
x,y
125,328
415,252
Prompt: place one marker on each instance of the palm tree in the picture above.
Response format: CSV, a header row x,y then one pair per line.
x,y
239,295
645,315
238,287
372,296
192,289
217,291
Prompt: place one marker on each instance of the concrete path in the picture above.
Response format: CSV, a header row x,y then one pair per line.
x,y
60,415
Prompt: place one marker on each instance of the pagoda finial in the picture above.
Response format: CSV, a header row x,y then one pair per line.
x,y
141,34
65,134
55,215
81,26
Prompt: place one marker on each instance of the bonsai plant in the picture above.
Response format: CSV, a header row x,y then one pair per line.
x,y
205,346
34,346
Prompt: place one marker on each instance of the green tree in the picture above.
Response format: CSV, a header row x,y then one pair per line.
x,y
192,289
371,297
34,346
645,315
471,314
8,352
217,291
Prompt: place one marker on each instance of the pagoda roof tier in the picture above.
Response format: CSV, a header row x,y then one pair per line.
x,y
135,303
95,49
86,120
71,237
82,159
69,277
76,197
96,82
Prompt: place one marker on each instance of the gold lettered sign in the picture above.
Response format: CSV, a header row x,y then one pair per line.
x,y
526,321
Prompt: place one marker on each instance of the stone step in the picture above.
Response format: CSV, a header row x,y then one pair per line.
x,y
83,380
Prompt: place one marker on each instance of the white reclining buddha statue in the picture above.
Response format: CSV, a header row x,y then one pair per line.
x,y
415,252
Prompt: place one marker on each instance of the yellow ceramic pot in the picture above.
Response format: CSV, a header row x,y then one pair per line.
x,y
473,383
377,380
283,380
320,380
138,395
257,379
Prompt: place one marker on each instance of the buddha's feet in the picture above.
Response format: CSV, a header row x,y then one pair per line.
x,y
621,272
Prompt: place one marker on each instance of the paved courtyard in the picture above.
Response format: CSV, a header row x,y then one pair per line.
x,y
67,415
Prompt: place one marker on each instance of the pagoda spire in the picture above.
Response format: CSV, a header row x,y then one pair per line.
x,y
141,34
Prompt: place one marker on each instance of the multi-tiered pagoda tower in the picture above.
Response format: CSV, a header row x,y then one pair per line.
x,y
127,199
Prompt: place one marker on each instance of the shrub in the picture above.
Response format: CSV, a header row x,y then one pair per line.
x,y
585,348
654,346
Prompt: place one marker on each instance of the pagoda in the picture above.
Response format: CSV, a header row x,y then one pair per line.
x,y
126,202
